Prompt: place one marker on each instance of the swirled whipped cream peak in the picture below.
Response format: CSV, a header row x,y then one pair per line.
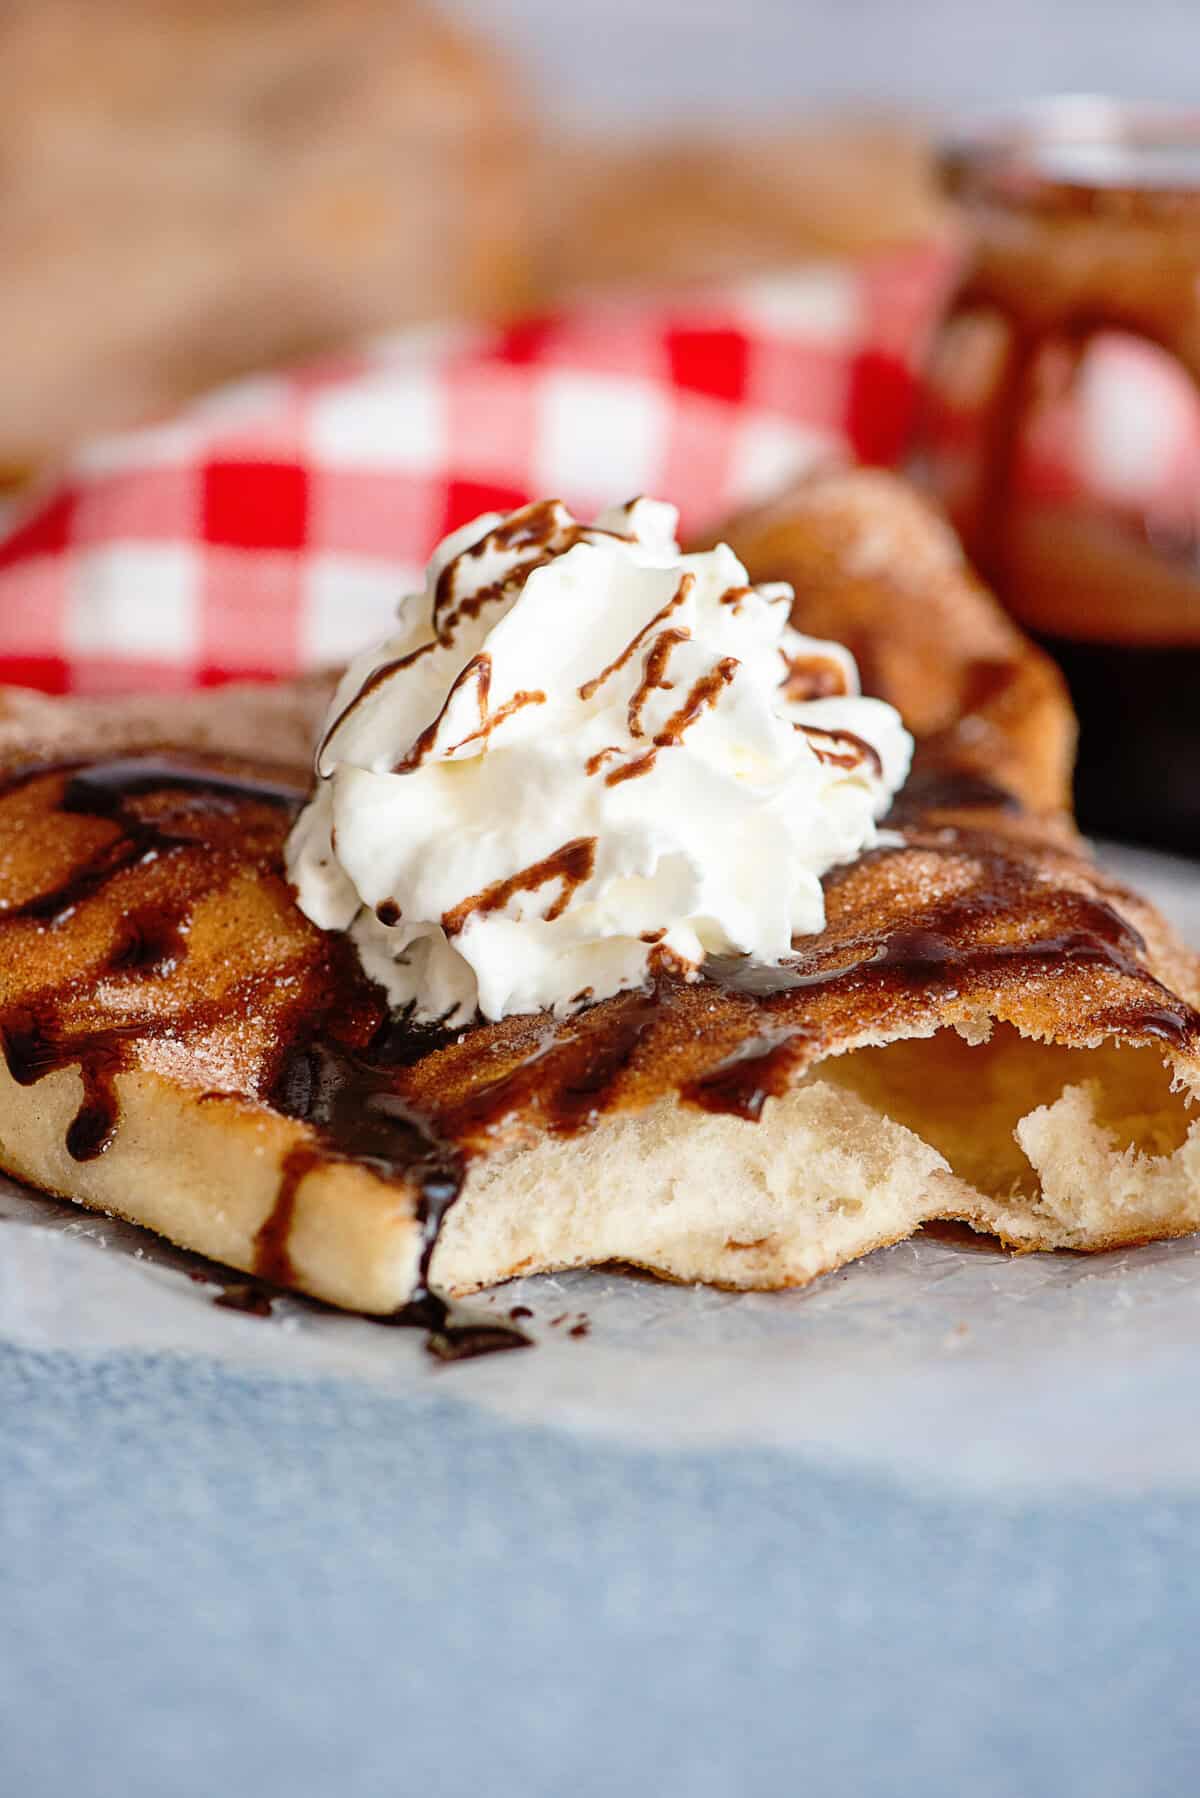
x,y
586,758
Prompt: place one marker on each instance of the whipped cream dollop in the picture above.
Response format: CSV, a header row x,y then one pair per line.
x,y
586,757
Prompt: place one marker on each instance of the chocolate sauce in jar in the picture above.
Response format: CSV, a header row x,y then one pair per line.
x,y
1083,217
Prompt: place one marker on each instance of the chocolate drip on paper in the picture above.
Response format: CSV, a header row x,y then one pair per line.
x,y
417,1103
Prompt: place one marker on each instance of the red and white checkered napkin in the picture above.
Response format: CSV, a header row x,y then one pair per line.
x,y
273,526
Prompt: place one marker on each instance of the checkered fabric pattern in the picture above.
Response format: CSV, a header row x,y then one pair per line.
x,y
273,526
1114,430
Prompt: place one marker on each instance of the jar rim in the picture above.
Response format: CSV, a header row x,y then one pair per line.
x,y
1080,153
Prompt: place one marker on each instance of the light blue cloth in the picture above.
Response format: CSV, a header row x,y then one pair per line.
x,y
215,1584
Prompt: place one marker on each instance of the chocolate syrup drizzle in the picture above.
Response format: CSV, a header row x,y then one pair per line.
x,y
808,677
348,1085
540,529
591,687
349,1102
150,941
572,864
757,1070
654,675
851,750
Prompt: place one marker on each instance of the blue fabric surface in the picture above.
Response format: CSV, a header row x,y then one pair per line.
x,y
221,1584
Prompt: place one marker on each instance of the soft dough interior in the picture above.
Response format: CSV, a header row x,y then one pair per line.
x,y
1043,1146
968,1098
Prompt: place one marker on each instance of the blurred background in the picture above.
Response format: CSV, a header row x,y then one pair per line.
x,y
662,60
198,190
195,188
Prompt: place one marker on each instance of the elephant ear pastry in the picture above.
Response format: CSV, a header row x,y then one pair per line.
x,y
988,1028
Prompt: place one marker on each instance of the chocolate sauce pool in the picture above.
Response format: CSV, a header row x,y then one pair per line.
x,y
348,1092
348,1101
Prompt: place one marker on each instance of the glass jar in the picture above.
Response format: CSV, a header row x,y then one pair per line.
x,y
1061,428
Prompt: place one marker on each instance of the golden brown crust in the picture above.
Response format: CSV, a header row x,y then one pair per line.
x,y
873,567
273,721
980,997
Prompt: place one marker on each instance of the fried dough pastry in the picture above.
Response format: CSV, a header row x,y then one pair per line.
x,y
988,1029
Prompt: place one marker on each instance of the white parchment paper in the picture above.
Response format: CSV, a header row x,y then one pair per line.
x,y
940,1360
